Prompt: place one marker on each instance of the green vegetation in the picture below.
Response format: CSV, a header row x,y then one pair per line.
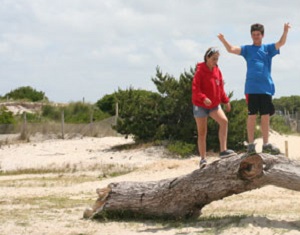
x,y
105,170
165,115
107,104
26,93
139,114
6,117
76,112
181,148
278,124
289,104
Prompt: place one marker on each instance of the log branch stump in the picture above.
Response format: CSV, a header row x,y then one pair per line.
x,y
184,197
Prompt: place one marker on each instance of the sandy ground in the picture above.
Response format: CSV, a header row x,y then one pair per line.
x,y
53,181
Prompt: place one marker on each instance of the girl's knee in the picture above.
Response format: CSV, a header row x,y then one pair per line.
x,y
223,122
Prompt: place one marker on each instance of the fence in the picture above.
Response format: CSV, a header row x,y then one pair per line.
x,y
293,120
58,130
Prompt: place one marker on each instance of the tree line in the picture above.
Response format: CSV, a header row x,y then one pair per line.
x,y
164,115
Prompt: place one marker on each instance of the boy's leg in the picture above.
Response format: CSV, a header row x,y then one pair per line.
x,y
253,105
251,123
265,127
267,109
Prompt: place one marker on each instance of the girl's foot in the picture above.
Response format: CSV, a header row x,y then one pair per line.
x,y
203,163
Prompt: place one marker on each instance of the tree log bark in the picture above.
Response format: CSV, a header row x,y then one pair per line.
x,y
185,196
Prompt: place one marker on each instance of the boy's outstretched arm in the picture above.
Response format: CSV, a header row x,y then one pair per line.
x,y
282,40
231,49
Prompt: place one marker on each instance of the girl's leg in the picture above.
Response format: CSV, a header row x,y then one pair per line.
x,y
202,131
220,117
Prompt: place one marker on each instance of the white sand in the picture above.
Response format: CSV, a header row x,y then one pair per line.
x,y
268,210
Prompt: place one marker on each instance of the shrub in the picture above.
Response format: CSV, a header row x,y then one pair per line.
x,y
278,124
26,93
107,104
6,117
77,112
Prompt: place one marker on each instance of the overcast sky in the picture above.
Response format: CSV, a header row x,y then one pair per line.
x,y
84,49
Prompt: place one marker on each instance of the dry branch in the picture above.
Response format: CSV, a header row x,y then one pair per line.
x,y
185,196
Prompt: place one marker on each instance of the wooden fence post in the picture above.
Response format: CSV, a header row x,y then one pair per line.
x,y
91,123
24,127
297,122
62,124
117,113
286,148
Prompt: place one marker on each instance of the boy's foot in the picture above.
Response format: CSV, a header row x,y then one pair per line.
x,y
227,153
203,163
251,149
271,149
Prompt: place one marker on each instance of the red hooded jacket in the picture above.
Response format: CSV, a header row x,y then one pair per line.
x,y
208,84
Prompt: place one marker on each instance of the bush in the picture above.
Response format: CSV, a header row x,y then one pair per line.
x,y
138,114
107,104
77,112
51,112
168,115
26,93
277,123
6,117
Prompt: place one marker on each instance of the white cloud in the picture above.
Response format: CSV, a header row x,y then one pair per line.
x,y
98,46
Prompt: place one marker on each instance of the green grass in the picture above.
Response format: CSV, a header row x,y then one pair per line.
x,y
48,181
105,170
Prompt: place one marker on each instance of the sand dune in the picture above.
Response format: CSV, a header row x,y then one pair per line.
x,y
53,202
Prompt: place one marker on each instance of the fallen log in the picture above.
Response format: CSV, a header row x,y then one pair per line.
x,y
185,196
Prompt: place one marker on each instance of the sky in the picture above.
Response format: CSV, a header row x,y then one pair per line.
x,y
75,50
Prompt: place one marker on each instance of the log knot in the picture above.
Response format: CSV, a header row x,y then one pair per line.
x,y
251,167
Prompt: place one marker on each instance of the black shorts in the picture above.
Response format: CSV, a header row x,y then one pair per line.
x,y
260,103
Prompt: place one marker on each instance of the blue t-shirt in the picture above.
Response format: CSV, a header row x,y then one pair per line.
x,y
259,63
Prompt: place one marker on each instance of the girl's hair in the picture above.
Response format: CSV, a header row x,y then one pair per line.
x,y
257,27
210,52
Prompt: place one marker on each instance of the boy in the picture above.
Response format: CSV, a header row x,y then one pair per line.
x,y
259,86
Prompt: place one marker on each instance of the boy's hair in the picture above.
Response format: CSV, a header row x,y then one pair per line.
x,y
258,27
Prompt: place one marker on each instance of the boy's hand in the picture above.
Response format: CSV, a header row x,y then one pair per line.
x,y
221,36
287,26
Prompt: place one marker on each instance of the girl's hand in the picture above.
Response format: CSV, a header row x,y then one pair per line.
x,y
207,102
227,107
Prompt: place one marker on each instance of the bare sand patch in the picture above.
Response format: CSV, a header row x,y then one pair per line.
x,y
53,202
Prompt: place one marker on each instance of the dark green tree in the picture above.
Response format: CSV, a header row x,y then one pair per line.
x,y
176,106
26,93
167,115
139,114
237,124
107,104
289,104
